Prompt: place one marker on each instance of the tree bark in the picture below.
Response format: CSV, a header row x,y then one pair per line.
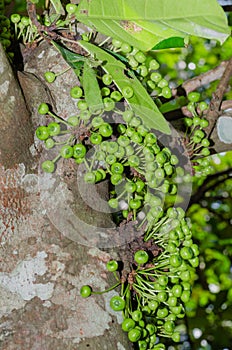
x,y
43,264
16,132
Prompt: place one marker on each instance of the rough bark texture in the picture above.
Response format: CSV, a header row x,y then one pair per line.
x,y
16,132
41,268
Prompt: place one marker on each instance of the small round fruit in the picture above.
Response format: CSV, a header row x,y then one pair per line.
x,y
188,121
143,71
185,275
126,48
199,133
95,138
135,203
73,120
203,106
117,168
141,257
205,142
49,76
156,77
115,179
85,291
76,92
107,79
142,344
90,177
66,151
112,265
194,96
105,130
153,64
177,290
150,139
43,108
49,143
185,296
110,159
48,166
132,62
186,253
134,335
166,92
140,57
53,129
42,133
117,303
116,96
162,312
113,203
137,315
196,121
150,328
139,185
79,150
176,337
109,104
204,123
116,43
175,260
162,83
15,18
169,326
71,8
82,105
205,152
97,121
163,280
127,92
172,301
162,296
128,324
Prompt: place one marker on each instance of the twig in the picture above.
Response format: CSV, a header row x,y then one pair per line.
x,y
207,185
47,32
205,78
216,101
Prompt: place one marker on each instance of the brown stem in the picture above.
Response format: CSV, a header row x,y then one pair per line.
x,y
208,184
216,101
205,78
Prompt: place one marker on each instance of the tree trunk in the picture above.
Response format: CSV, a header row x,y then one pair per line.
x,y
43,263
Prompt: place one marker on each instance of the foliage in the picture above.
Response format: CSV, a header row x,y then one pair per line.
x,y
136,23
211,226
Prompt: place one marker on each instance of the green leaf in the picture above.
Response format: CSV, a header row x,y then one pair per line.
x,y
91,88
75,60
145,23
170,43
140,102
58,7
173,105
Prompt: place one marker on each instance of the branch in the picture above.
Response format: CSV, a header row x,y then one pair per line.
x,y
207,186
205,78
216,101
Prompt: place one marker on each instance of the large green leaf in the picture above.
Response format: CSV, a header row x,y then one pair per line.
x,y
140,102
145,23
75,60
91,88
169,43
